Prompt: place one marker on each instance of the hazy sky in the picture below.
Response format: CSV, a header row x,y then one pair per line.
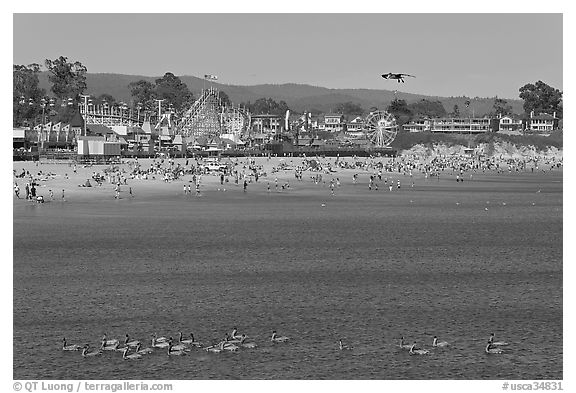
x,y
450,54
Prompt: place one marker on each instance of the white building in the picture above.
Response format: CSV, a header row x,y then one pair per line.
x,y
509,123
418,125
541,123
334,122
474,125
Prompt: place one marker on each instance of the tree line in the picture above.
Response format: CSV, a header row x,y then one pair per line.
x,y
68,83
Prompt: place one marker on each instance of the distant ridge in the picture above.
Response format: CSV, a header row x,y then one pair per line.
x,y
299,97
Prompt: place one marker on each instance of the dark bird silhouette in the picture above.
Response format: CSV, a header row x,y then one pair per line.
x,y
399,77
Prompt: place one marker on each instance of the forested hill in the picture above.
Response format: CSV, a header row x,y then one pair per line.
x,y
298,97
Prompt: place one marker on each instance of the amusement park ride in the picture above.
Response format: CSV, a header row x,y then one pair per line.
x,y
209,117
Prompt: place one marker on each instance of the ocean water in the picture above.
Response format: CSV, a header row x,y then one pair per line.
x,y
367,267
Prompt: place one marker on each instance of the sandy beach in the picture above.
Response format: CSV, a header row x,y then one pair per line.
x,y
71,177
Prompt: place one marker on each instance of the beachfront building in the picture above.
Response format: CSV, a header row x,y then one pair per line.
x,y
509,124
541,123
355,125
267,124
97,147
468,125
77,124
334,122
418,125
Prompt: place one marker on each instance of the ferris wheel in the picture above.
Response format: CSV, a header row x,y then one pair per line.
x,y
380,128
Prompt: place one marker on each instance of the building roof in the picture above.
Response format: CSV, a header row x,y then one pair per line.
x,y
91,138
357,119
543,116
266,116
77,120
19,133
227,141
99,129
511,117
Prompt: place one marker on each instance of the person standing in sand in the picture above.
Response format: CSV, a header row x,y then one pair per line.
x,y
63,199
17,190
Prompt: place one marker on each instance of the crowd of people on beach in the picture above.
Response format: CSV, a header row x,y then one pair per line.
x,y
376,172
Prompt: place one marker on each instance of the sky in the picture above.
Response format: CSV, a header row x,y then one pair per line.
x,y
470,54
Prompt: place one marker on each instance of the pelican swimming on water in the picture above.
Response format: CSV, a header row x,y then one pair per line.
x,y
414,351
278,339
160,339
109,343
439,344
85,352
189,341
403,345
235,335
155,344
131,356
177,347
232,339
229,345
343,347
110,347
73,347
490,349
174,352
183,340
195,343
244,344
129,343
143,351
214,348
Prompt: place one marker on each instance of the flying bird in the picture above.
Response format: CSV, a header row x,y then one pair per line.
x,y
398,77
